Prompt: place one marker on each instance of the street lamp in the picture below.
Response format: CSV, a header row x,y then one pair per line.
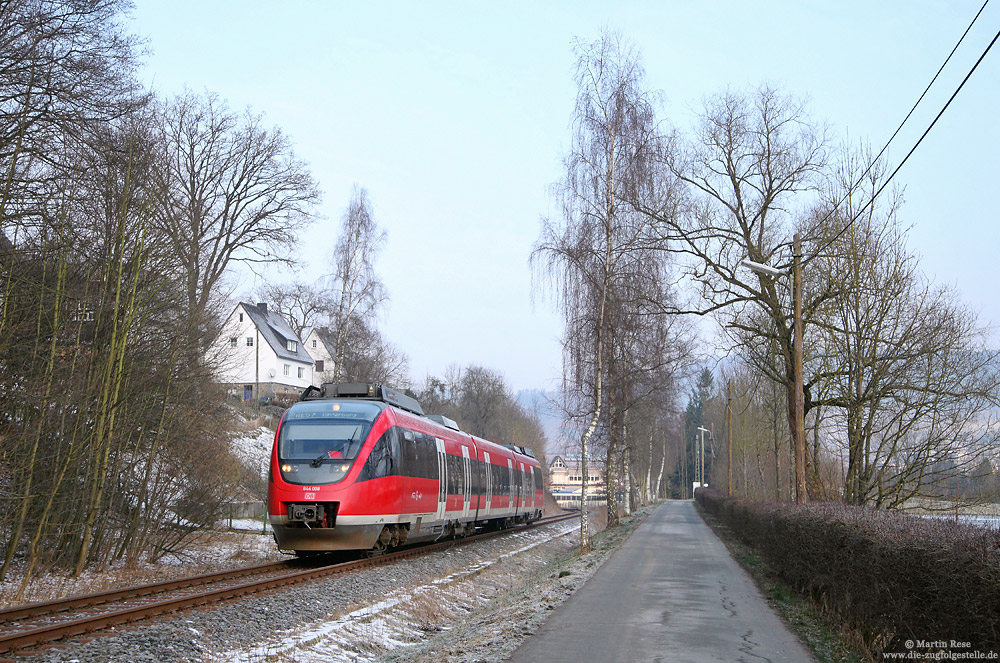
x,y
799,432
702,453
761,268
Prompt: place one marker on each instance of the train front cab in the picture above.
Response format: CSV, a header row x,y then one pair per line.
x,y
322,453
359,474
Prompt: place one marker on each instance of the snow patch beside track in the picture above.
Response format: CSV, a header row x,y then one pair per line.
x,y
404,618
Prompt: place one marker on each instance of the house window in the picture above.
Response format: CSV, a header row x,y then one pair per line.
x,y
314,343
319,366
232,342
288,369
241,317
249,341
292,346
83,313
302,372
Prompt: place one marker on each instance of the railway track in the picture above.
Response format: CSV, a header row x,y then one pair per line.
x,y
42,624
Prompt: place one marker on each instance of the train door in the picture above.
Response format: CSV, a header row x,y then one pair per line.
x,y
467,475
511,490
529,485
488,482
525,493
442,479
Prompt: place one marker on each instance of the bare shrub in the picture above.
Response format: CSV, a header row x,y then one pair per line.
x,y
888,576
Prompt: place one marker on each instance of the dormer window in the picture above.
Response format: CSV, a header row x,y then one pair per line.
x,y
293,346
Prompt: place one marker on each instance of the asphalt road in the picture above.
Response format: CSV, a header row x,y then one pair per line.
x,y
670,593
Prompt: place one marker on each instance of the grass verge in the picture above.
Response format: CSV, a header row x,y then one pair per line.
x,y
492,634
825,637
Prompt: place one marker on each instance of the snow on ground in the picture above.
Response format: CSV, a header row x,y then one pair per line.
x,y
215,551
253,448
980,521
248,525
401,619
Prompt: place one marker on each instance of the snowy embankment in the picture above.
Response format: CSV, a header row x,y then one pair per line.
x,y
403,618
253,448
473,602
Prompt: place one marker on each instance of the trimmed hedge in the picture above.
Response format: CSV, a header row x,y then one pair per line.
x,y
890,577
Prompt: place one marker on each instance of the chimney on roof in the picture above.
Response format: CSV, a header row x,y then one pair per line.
x,y
262,306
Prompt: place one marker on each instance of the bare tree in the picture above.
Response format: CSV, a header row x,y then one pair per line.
x,y
482,404
752,156
93,408
230,191
358,292
905,369
368,356
302,305
64,67
647,352
584,253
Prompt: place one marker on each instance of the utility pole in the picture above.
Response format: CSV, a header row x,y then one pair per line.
x,y
798,393
799,434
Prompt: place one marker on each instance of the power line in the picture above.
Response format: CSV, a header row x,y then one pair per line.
x,y
896,132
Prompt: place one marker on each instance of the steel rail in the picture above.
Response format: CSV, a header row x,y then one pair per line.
x,y
42,608
47,634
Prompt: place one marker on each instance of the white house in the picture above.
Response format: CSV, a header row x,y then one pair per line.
x,y
321,349
258,352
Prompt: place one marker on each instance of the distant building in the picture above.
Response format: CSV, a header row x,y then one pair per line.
x,y
566,481
320,346
260,356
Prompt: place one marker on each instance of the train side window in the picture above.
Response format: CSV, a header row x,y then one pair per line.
x,y
428,456
419,454
399,464
380,462
410,451
455,475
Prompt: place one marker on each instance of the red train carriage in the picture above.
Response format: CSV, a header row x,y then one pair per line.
x,y
359,466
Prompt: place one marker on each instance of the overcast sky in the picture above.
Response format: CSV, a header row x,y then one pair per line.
x,y
455,117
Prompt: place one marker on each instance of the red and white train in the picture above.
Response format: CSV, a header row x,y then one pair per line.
x,y
360,467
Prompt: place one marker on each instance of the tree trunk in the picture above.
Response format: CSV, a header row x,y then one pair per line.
x,y
611,466
627,479
663,465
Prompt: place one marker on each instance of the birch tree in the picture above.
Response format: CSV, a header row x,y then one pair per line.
x,y
583,254
357,291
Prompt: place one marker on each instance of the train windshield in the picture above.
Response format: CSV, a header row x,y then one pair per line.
x,y
319,441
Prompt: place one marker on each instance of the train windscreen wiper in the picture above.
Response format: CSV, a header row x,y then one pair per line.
x,y
350,443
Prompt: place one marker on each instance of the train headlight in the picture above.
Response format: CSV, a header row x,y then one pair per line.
x,y
288,468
